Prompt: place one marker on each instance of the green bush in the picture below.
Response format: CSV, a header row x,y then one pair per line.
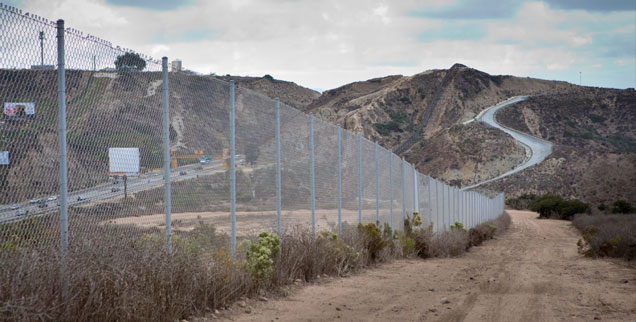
x,y
622,207
260,256
458,226
372,239
553,206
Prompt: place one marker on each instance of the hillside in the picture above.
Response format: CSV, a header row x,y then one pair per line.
x,y
594,132
288,92
122,110
421,118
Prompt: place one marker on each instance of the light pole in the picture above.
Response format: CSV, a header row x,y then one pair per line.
x,y
41,47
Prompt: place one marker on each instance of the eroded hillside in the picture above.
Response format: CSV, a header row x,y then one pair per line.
x,y
594,157
421,117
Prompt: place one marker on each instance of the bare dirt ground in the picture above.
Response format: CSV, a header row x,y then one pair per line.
x,y
251,223
532,272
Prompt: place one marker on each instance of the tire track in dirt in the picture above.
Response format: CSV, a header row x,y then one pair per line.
x,y
532,272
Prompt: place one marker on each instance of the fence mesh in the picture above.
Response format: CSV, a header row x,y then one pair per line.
x,y
115,153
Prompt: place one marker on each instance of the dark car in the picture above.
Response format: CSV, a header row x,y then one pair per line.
x,y
114,189
42,205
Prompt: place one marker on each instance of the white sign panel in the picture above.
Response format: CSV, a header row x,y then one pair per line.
x,y
4,157
19,109
123,161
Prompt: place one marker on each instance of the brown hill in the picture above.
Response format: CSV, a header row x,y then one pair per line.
x,y
594,156
288,92
421,117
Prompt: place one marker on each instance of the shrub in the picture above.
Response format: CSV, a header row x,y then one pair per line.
x,y
260,256
622,207
422,240
547,205
607,235
553,206
449,243
345,257
525,201
372,239
458,226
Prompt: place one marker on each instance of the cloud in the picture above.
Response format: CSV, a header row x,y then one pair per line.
x,y
325,44
594,5
465,9
152,4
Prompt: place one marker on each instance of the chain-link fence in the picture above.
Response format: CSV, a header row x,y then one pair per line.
x,y
290,169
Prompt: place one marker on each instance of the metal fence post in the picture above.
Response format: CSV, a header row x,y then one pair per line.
x,y
339,182
63,170
377,187
391,188
430,206
232,168
279,228
167,193
444,194
416,196
437,206
403,165
359,178
312,173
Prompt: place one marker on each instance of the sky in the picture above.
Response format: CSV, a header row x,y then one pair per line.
x,y
329,43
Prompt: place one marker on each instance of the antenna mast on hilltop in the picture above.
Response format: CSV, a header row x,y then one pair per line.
x,y
42,48
579,78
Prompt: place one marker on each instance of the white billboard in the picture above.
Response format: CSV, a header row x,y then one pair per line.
x,y
18,111
4,157
123,161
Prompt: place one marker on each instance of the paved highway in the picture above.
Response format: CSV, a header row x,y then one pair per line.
x,y
536,149
105,191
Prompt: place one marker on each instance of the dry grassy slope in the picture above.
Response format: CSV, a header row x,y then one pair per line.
x,y
288,92
362,106
124,111
594,131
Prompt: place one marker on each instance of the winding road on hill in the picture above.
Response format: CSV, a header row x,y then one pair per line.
x,y
532,272
536,149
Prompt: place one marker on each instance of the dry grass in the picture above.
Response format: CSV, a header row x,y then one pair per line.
x,y
112,278
607,235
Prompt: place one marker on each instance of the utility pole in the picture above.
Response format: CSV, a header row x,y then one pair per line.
x,y
580,79
41,47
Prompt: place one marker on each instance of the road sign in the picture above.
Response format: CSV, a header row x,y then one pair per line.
x,y
4,157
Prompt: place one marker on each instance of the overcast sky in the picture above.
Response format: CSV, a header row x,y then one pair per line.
x,y
326,44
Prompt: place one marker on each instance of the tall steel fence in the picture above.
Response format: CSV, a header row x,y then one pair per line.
x,y
96,140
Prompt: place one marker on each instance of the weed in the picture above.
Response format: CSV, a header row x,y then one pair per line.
x,y
260,256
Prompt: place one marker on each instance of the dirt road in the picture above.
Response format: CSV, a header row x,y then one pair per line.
x,y
530,273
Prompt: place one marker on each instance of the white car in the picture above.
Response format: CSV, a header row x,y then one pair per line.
x,y
52,198
14,207
81,198
21,212
34,200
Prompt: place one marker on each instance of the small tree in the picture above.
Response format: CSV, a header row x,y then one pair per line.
x,y
130,61
251,152
622,207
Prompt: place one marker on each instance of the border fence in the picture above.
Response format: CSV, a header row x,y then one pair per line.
x,y
199,150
